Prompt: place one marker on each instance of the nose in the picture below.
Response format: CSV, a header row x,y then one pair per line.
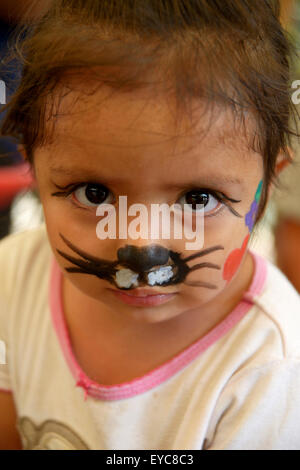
x,y
143,258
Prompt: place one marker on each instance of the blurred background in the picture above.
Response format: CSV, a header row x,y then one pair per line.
x,y
19,204
277,236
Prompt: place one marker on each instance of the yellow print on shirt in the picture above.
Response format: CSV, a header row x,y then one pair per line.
x,y
50,435
2,352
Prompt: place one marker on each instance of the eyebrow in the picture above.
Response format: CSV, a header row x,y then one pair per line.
x,y
207,180
81,172
202,180
68,171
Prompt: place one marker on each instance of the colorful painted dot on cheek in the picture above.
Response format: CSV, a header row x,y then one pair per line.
x,y
234,260
258,191
251,215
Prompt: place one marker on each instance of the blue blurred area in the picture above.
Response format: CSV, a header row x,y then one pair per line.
x,y
10,74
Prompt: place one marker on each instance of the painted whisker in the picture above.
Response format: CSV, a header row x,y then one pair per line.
x,y
201,284
203,252
204,265
88,268
83,254
136,266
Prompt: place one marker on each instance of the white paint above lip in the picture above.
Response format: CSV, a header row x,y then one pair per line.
x,y
126,278
160,275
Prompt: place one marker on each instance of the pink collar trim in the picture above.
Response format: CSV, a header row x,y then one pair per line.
x,y
163,372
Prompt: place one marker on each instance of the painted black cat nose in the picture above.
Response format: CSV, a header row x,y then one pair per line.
x,y
142,258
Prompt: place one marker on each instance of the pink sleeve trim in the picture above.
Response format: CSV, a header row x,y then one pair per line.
x,y
164,371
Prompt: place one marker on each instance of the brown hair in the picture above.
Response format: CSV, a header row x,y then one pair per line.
x,y
233,52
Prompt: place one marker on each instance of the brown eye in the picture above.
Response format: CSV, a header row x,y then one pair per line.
x,y
207,200
192,198
92,194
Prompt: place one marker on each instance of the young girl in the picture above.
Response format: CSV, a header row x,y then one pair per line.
x,y
128,342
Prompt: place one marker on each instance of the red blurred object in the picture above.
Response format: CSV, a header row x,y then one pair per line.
x,y
14,179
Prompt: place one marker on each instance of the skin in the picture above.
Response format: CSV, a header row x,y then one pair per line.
x,y
120,144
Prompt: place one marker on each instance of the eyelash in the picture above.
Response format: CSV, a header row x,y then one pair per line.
x,y
66,191
220,196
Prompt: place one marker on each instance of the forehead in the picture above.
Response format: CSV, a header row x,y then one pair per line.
x,y
144,127
150,113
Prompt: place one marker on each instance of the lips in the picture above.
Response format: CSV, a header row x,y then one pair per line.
x,y
143,292
143,297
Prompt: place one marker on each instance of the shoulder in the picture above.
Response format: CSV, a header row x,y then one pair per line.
x,y
258,409
26,236
279,304
22,255
24,279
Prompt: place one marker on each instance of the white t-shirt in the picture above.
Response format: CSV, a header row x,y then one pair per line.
x,y
238,387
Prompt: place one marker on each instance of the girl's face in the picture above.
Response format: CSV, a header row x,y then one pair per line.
x,y
132,145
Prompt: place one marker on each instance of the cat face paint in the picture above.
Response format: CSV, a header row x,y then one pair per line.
x,y
151,265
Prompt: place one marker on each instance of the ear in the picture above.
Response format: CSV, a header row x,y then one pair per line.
x,y
22,151
282,163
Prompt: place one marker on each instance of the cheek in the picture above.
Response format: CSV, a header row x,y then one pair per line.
x,y
235,257
234,239
228,260
91,286
234,260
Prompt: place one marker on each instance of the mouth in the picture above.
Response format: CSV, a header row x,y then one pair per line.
x,y
143,297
